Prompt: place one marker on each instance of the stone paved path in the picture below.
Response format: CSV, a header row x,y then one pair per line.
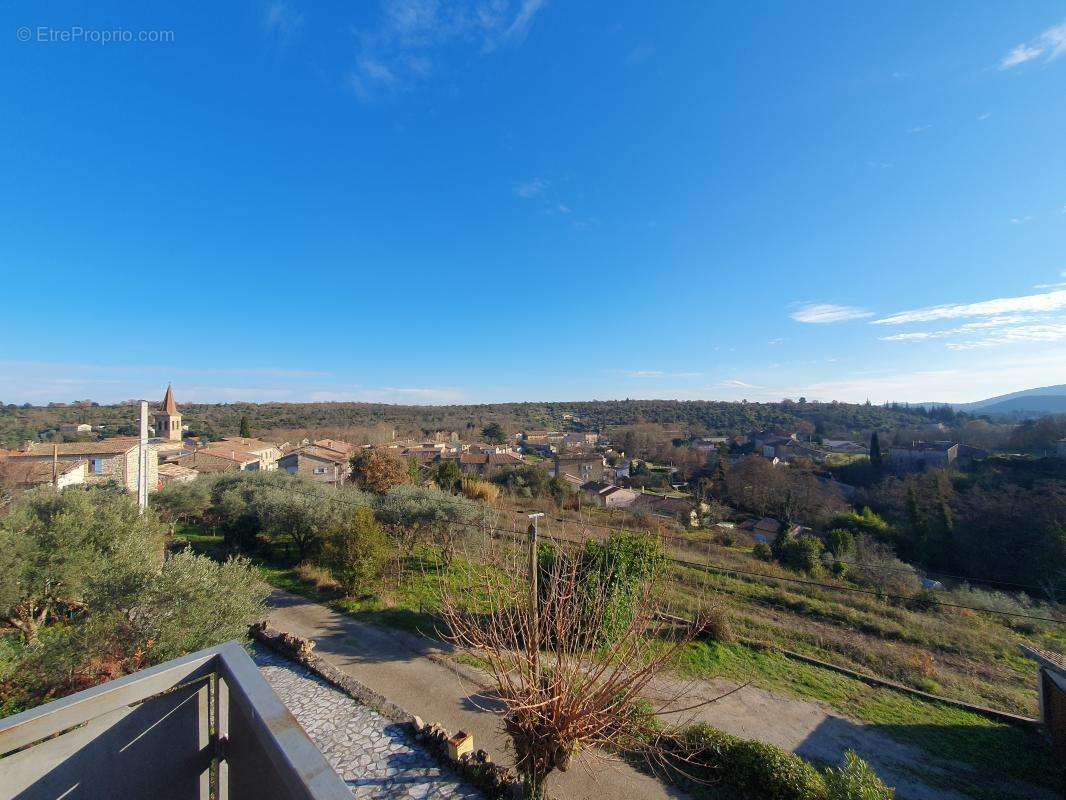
x,y
375,757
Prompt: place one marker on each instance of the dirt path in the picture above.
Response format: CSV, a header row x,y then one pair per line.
x,y
415,673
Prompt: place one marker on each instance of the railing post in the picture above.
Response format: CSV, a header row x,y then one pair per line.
x,y
221,737
203,731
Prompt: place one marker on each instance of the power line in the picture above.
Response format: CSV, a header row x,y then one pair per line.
x,y
710,567
730,570
836,560
682,540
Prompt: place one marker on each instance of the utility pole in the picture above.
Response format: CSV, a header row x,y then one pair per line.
x,y
55,466
534,600
142,461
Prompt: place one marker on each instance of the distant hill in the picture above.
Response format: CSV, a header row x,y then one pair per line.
x,y
1029,402
19,424
1032,405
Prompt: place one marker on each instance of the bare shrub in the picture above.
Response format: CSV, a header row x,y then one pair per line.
x,y
1017,603
484,491
875,565
718,626
564,683
318,576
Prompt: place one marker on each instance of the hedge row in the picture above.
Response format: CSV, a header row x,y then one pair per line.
x,y
703,755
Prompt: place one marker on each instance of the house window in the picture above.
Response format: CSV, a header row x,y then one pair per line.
x,y
98,466
320,470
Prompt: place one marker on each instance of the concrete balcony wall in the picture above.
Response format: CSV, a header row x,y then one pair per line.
x,y
198,727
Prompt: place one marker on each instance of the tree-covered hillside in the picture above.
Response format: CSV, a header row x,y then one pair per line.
x,y
21,423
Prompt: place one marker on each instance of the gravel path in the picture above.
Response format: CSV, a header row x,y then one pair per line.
x,y
375,757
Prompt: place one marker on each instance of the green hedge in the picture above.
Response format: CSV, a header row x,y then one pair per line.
x,y
749,768
756,771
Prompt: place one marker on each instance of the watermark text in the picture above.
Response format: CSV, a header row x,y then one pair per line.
x,y
76,34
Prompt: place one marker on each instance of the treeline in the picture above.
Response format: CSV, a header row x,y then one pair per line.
x,y
19,423
1004,521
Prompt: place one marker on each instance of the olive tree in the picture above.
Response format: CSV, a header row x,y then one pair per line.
x,y
422,515
53,548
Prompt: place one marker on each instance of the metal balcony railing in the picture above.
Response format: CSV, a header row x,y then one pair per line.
x,y
203,727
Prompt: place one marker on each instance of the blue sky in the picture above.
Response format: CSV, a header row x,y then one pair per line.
x,y
492,200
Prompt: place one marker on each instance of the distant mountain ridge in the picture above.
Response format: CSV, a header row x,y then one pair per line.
x,y
1028,402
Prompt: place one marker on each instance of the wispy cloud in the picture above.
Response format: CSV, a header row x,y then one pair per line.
x,y
430,395
1020,334
920,129
281,23
544,196
824,313
412,38
656,373
1035,303
951,385
969,327
530,189
1055,285
641,53
1050,44
519,28
984,116
733,383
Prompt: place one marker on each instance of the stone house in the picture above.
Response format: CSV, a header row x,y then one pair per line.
x,y
677,508
75,427
211,459
587,467
608,495
336,445
486,465
175,473
922,455
845,447
268,453
109,460
320,464
30,473
581,439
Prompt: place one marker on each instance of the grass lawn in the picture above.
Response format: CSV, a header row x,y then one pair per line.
x,y
406,600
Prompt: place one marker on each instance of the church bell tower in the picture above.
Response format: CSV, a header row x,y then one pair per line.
x,y
168,421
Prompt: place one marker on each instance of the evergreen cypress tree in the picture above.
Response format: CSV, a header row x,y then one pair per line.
x,y
918,529
876,459
246,429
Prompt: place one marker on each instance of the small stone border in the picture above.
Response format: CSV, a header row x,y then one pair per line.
x,y
477,768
